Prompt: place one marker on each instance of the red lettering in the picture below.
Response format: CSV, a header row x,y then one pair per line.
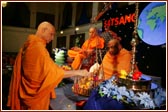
x,y
128,18
133,17
122,21
106,23
112,21
116,21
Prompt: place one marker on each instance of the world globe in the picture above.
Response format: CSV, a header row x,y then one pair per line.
x,y
152,23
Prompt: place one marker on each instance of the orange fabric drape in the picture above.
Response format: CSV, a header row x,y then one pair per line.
x,y
112,64
34,78
89,44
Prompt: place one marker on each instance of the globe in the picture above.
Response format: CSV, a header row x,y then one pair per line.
x,y
152,23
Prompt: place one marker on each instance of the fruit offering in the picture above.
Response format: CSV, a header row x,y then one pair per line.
x,y
84,85
66,67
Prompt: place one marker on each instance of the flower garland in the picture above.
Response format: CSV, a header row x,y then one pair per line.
x,y
110,89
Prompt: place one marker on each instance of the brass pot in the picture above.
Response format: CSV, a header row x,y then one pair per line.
x,y
142,85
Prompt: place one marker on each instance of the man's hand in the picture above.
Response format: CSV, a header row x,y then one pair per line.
x,y
71,73
83,72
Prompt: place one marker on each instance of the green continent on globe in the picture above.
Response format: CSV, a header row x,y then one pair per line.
x,y
140,32
156,13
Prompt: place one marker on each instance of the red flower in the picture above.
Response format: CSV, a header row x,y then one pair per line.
x,y
136,75
95,78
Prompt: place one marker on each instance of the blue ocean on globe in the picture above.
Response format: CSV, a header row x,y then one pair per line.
x,y
152,23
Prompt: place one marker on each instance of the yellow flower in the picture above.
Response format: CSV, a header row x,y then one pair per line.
x,y
123,74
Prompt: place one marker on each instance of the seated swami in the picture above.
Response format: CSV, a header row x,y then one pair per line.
x,y
78,54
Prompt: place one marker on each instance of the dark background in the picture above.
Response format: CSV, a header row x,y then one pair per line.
x,y
151,60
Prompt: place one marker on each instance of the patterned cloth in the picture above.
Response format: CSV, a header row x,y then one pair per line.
x,y
107,37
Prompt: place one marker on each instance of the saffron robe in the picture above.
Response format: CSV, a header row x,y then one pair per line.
x,y
35,75
89,45
114,64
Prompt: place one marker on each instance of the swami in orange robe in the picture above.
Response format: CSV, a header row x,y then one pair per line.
x,y
113,64
88,46
34,77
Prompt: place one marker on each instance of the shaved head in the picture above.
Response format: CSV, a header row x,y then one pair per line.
x,y
113,42
45,25
114,46
46,31
92,32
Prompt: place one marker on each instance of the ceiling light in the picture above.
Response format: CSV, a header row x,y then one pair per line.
x,y
76,29
61,32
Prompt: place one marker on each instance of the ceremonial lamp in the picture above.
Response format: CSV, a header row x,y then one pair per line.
x,y
133,79
134,42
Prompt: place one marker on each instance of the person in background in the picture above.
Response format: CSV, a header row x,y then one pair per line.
x,y
35,75
108,35
116,59
78,54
